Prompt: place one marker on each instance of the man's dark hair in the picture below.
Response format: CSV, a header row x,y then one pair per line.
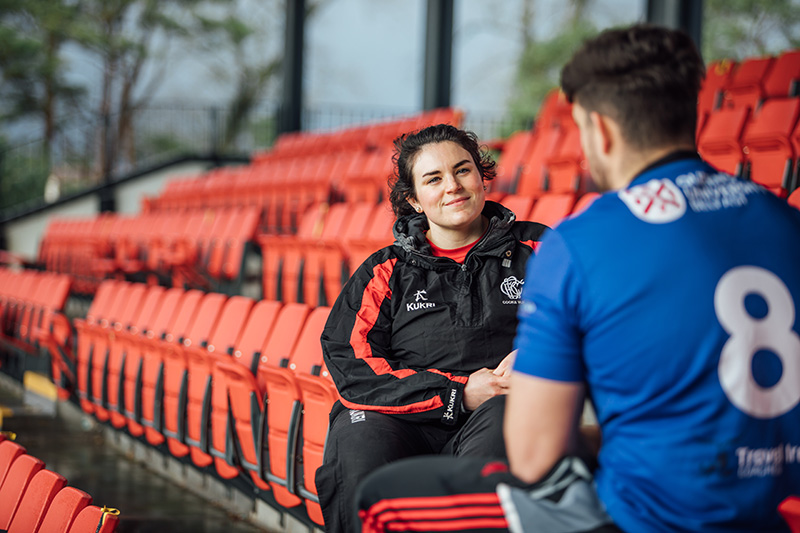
x,y
408,145
646,78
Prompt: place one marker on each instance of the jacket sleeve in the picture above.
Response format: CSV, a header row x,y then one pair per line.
x,y
356,345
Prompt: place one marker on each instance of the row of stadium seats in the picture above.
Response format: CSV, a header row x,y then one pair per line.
x,y
747,119
209,248
236,386
35,499
300,170
32,319
760,143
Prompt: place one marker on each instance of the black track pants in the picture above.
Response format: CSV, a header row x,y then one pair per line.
x,y
359,442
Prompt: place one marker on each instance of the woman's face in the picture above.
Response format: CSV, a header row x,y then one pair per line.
x,y
448,187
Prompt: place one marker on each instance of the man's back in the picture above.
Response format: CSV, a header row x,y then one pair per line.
x,y
681,294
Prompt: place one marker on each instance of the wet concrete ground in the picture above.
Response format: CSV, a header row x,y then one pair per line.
x,y
76,449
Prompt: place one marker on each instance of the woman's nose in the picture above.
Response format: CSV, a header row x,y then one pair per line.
x,y
451,183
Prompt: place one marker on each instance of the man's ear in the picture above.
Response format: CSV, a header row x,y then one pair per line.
x,y
604,128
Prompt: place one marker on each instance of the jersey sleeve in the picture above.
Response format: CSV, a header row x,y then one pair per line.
x,y
548,336
356,346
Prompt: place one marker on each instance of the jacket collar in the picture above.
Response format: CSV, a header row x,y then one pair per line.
x,y
409,231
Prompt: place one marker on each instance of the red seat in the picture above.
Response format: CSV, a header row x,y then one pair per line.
x,y
790,510
509,165
520,205
93,519
196,320
567,169
200,364
16,482
9,452
234,378
794,198
767,140
318,394
784,78
130,405
63,509
152,377
720,141
247,392
285,406
551,208
37,498
93,338
718,76
745,88
532,179
584,202
378,235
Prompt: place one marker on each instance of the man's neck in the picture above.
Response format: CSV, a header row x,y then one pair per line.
x,y
634,162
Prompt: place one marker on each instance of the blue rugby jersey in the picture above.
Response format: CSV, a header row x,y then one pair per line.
x,y
676,301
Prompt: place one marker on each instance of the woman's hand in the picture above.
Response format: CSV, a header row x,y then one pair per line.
x,y
482,385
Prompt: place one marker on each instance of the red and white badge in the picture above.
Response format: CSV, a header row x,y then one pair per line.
x,y
656,202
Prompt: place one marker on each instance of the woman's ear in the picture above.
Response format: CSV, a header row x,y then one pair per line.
x,y
412,201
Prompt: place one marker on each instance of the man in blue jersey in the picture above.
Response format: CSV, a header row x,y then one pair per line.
x,y
671,303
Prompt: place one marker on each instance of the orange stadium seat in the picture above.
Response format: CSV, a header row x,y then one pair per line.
x,y
377,236
126,306
13,488
282,258
236,404
720,141
200,361
794,198
746,85
151,386
193,327
718,76
64,509
584,202
567,169
767,139
551,208
129,405
520,205
532,178
784,78
9,452
36,499
316,277
93,337
248,392
285,406
93,519
509,164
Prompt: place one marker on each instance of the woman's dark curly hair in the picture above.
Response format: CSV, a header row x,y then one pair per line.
x,y
408,146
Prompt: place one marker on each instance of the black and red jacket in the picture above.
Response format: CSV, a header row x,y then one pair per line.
x,y
409,328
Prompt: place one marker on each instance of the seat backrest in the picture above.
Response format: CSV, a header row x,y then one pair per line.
x,y
307,353
520,205
508,165
287,328
794,198
259,326
359,221
130,306
550,209
229,324
35,501
205,319
17,480
148,310
63,509
184,315
167,313
9,451
93,519
784,78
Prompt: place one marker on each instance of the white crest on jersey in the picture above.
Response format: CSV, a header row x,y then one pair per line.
x,y
656,202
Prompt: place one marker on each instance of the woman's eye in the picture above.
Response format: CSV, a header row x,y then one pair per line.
x,y
434,179
463,170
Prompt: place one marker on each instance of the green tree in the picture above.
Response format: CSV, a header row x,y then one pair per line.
x,y
33,34
736,29
540,63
